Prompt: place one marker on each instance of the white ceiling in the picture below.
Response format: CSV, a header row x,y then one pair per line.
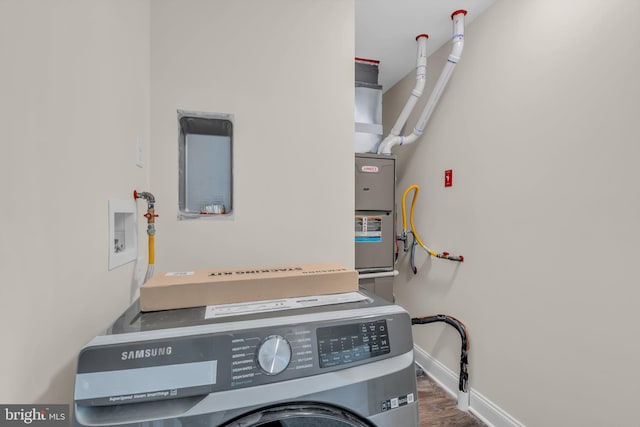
x,y
386,31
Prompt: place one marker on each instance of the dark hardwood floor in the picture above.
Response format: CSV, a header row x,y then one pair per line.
x,y
437,408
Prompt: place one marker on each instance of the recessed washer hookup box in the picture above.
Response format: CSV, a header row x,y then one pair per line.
x,y
167,291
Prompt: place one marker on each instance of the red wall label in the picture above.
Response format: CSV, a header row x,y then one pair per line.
x,y
448,178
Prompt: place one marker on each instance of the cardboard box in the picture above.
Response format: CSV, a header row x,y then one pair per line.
x,y
166,291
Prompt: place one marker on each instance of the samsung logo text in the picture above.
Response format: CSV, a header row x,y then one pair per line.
x,y
146,353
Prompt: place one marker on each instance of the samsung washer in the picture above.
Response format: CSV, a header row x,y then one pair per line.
x,y
344,365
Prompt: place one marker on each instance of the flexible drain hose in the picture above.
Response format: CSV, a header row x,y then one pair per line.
x,y
462,330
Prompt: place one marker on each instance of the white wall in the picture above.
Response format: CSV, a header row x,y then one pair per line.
x,y
284,68
76,84
75,91
539,124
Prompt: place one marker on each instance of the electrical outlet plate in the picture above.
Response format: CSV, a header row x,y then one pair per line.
x,y
123,235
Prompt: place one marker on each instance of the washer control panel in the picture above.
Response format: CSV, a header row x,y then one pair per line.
x,y
267,355
338,345
236,358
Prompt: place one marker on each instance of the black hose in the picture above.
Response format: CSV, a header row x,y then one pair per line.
x,y
462,330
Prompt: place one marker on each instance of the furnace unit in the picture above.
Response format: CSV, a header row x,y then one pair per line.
x,y
375,221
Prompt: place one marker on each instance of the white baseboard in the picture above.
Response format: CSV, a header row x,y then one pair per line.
x,y
488,412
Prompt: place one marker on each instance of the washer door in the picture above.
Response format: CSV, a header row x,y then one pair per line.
x,y
300,415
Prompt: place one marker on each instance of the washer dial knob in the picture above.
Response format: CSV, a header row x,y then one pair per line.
x,y
274,355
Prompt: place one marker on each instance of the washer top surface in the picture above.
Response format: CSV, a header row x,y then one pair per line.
x,y
133,320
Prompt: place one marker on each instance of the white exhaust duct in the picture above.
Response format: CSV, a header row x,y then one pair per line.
x,y
394,139
416,93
